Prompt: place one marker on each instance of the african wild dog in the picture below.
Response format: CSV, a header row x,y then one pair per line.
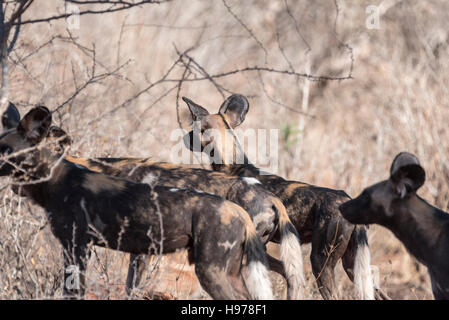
x,y
86,207
267,211
313,210
394,204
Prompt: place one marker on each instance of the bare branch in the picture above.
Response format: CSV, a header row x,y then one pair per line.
x,y
112,6
247,29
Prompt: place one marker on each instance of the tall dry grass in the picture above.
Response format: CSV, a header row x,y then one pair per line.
x,y
397,100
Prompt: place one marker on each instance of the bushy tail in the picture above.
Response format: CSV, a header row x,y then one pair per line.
x,y
363,278
257,281
291,256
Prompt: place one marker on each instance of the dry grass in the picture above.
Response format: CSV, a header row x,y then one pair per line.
x,y
397,100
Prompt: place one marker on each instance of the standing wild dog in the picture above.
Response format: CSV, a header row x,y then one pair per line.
x,y
422,228
313,210
86,207
266,210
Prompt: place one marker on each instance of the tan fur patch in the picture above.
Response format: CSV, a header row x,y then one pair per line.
x,y
292,188
231,210
128,161
85,162
225,121
164,165
100,183
81,161
249,196
227,213
283,216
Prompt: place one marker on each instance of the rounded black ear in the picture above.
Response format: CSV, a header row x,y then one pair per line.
x,y
35,124
235,107
406,173
11,117
196,110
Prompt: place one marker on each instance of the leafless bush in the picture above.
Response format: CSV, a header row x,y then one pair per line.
x,y
114,84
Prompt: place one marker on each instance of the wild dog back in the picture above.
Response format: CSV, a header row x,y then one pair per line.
x,y
247,192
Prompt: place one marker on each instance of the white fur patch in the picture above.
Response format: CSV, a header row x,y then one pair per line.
x,y
227,245
251,180
150,179
363,278
174,189
291,257
258,282
200,191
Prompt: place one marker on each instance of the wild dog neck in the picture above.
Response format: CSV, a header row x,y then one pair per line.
x,y
234,169
419,226
65,177
38,188
233,161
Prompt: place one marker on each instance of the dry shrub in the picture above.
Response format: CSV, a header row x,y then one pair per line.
x,y
395,101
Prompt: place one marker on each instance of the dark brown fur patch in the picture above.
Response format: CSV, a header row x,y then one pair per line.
x,y
100,183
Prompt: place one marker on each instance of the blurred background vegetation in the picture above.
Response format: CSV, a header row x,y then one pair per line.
x,y
115,80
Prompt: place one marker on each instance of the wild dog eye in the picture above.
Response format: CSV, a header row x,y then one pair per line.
x,y
365,198
5,149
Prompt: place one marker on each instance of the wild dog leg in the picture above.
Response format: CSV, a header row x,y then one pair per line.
x,y
276,265
212,249
137,265
329,241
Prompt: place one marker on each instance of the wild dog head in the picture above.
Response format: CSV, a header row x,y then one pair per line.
x,y
213,133
20,150
378,203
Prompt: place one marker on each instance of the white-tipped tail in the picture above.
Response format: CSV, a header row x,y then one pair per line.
x,y
363,278
258,281
291,258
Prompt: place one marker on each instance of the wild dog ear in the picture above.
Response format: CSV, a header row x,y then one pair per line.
x,y
196,110
235,107
35,124
406,173
11,117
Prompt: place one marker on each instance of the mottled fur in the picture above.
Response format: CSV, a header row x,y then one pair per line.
x,y
266,210
89,207
312,210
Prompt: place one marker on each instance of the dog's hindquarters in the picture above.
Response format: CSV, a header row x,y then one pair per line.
x,y
220,242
